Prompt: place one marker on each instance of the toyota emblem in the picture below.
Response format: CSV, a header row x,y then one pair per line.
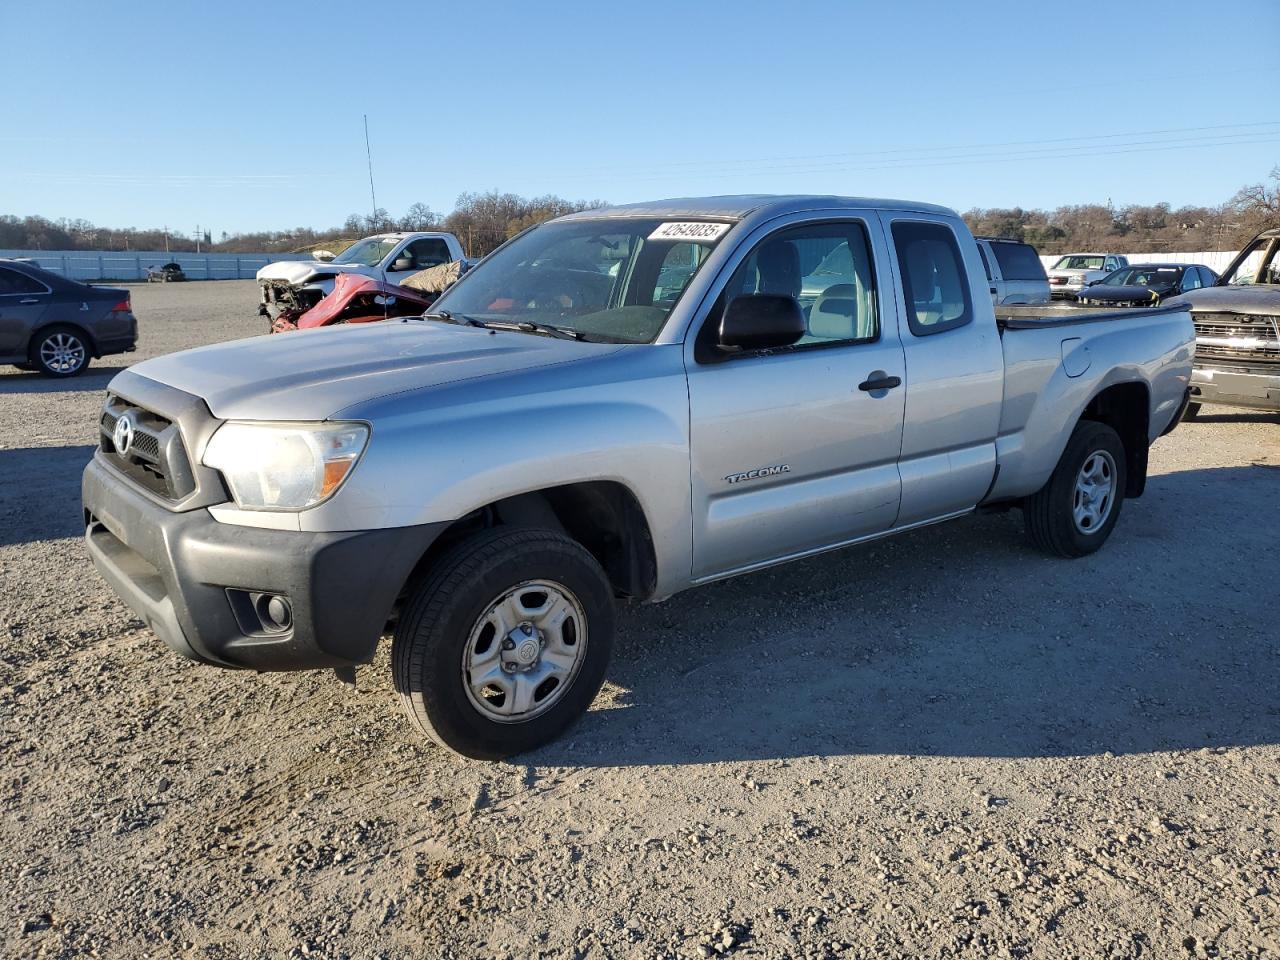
x,y
122,435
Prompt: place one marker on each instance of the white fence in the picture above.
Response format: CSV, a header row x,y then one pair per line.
x,y
1215,260
133,264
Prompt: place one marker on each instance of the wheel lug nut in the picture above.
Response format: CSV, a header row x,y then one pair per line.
x,y
508,644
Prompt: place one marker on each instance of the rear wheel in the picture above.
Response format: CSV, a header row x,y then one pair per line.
x,y
504,644
60,352
1074,513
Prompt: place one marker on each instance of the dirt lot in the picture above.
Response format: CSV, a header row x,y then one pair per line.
x,y
943,745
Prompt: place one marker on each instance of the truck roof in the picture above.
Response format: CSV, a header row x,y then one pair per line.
x,y
741,206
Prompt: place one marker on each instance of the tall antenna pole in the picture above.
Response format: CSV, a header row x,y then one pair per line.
x,y
373,197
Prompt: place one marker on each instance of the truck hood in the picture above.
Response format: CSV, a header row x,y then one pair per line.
x,y
300,271
1247,298
312,374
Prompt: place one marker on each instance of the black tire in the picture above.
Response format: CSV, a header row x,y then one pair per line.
x,y
1048,514
49,339
436,627
1192,411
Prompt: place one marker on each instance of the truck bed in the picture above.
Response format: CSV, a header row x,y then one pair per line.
x,y
1037,317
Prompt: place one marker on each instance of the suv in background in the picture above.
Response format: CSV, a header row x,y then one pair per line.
x,y
1014,271
1238,331
1075,271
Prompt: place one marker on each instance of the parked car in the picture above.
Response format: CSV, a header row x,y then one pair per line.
x,y
166,273
490,476
1238,331
1073,271
357,299
57,326
1146,284
1014,271
298,285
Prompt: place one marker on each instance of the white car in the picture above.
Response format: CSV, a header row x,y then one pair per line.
x,y
391,257
1075,271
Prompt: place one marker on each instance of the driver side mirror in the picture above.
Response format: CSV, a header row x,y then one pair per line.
x,y
402,263
759,321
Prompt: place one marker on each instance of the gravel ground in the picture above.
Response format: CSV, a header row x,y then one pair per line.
x,y
942,745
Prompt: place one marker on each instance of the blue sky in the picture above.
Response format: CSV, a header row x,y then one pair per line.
x,y
241,116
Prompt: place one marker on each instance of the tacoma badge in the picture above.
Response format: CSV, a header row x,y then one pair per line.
x,y
761,472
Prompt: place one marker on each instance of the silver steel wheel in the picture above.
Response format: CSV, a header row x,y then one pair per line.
x,y
1095,492
62,353
525,651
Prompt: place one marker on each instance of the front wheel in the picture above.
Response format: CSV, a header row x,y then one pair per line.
x,y
1074,513
505,642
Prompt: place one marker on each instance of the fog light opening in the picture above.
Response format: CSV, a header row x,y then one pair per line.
x,y
275,612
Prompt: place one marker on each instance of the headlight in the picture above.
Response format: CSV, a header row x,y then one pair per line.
x,y
285,466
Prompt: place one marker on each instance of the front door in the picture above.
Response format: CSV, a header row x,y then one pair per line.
x,y
796,449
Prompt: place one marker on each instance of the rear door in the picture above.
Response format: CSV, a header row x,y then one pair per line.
x,y
796,449
23,302
955,368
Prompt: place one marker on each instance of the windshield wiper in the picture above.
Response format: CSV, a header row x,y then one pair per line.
x,y
458,318
533,326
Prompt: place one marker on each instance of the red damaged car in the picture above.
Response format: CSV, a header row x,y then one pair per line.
x,y
356,299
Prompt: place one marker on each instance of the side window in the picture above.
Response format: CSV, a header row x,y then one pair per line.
x,y
986,264
827,267
13,282
427,252
1191,278
1207,276
934,285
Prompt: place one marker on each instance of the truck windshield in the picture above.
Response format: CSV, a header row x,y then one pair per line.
x,y
368,252
1258,263
1078,262
614,280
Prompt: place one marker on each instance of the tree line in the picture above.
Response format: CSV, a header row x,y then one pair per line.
x,y
484,220
481,221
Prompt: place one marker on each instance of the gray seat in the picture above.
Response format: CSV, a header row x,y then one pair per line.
x,y
834,314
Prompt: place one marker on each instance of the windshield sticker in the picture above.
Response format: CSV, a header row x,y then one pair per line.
x,y
691,231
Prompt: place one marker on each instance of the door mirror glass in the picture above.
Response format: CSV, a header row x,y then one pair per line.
x,y
759,321
402,263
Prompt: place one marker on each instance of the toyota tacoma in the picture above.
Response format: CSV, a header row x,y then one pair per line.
x,y
619,404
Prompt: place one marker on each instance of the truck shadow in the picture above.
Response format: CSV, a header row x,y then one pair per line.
x,y
93,380
40,493
962,641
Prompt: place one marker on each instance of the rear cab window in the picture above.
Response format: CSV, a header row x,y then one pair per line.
x,y
935,287
1018,261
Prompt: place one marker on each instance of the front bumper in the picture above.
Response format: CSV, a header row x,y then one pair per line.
x,y
1236,387
190,578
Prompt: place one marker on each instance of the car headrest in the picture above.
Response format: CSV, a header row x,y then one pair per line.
x,y
778,269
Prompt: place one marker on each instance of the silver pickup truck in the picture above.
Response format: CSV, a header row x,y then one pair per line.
x,y
622,403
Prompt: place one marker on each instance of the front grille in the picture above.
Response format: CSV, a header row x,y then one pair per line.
x,y
1237,336
156,458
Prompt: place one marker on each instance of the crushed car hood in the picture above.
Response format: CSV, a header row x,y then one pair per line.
x,y
300,271
1246,298
312,374
1118,293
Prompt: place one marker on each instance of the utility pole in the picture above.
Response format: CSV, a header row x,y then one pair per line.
x,y
198,235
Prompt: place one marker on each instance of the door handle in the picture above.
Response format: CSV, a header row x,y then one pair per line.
x,y
993,289
881,382
29,300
